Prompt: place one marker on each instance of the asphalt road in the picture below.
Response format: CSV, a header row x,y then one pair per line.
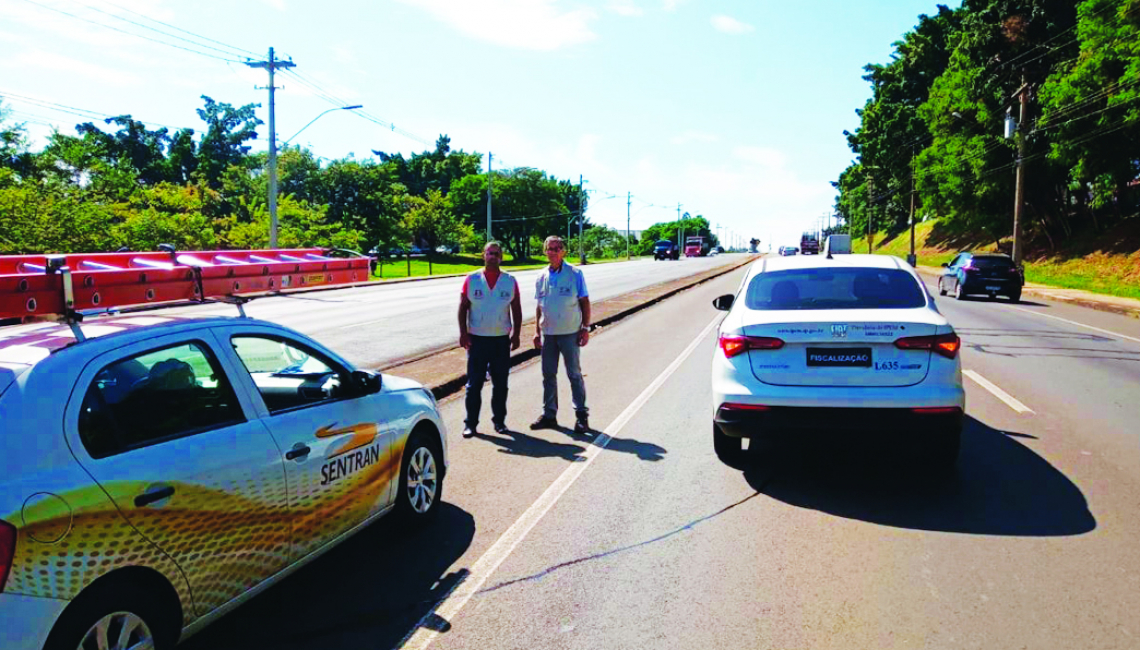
x,y
376,325
550,540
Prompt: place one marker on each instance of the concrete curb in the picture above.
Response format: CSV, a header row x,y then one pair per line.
x,y
444,370
1088,299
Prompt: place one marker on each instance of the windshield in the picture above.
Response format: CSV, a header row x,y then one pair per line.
x,y
992,263
846,288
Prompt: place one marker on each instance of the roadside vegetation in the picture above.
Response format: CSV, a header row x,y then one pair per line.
x,y
935,121
1107,264
120,184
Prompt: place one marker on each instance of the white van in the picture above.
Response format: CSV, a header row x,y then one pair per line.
x,y
837,244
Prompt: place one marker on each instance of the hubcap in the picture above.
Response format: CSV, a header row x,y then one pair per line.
x,y
118,631
422,480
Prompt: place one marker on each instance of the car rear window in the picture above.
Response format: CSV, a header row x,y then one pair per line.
x,y
839,288
992,263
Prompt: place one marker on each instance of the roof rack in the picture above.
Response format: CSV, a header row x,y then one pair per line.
x,y
66,285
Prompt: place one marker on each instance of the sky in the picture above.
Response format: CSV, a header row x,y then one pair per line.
x,y
733,109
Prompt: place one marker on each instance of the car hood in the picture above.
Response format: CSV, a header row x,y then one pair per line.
x,y
394,384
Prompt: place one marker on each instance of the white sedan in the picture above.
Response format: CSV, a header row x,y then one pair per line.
x,y
853,343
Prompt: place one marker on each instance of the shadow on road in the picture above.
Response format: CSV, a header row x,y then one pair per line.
x,y
517,443
364,593
643,450
1000,487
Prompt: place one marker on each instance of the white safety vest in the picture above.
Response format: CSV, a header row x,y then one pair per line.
x,y
490,313
557,295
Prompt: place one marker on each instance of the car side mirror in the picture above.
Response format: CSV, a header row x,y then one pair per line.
x,y
365,382
946,265
724,303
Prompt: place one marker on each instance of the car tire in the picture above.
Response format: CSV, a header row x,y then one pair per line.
x,y
421,479
941,289
958,293
729,450
1015,297
117,608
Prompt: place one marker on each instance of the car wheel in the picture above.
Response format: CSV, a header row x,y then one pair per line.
x,y
728,449
1015,297
421,479
112,619
941,289
958,293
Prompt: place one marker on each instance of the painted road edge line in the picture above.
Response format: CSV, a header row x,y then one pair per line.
x,y
1010,400
447,609
1073,322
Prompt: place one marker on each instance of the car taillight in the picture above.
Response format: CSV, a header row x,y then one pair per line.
x,y
945,344
734,344
730,407
937,410
970,268
7,551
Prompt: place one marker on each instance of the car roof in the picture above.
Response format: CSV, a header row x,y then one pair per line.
x,y
1002,256
849,260
25,345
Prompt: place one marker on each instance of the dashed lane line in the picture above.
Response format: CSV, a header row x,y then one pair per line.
x,y
1010,400
422,636
1073,322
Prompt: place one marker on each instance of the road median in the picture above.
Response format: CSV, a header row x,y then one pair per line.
x,y
444,370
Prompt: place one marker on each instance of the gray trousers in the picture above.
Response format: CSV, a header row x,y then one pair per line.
x,y
567,346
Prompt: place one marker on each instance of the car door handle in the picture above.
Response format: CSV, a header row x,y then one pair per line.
x,y
147,498
299,450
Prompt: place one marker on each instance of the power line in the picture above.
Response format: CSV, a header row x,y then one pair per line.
x,y
184,31
80,112
159,31
123,31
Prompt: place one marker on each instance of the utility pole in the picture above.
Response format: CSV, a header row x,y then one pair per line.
x,y
271,65
581,218
490,160
628,200
1019,194
912,259
870,211
679,247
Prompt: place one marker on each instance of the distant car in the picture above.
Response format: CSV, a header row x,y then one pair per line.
x,y
666,250
788,250
852,344
396,251
714,251
348,252
992,274
447,249
417,251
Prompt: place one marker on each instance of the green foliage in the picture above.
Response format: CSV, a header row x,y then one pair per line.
x,y
942,99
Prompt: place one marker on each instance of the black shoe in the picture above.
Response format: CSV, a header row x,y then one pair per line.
x,y
544,422
582,425
469,431
501,427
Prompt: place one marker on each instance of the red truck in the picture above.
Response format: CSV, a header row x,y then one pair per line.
x,y
696,247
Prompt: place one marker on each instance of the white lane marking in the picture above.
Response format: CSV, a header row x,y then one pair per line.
x,y
1010,400
449,607
1073,322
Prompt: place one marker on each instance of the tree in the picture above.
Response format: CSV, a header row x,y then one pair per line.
x,y
431,221
223,144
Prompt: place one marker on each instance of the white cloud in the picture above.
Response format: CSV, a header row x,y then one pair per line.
x,y
521,24
690,137
761,156
671,5
730,25
626,8
74,67
343,55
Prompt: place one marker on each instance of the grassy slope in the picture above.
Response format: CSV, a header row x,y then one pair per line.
x,y
1108,263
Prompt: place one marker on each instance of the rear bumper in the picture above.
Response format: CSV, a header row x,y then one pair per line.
x,y
1004,286
782,420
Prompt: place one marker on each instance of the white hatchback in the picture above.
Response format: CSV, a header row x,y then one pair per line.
x,y
163,471
853,343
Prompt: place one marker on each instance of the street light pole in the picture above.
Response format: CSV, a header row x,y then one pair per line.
x,y
581,218
338,108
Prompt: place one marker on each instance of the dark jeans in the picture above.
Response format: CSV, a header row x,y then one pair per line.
x,y
493,352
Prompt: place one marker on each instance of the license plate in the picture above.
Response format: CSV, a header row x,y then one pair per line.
x,y
839,357
993,288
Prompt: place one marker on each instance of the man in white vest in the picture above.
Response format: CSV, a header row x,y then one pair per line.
x,y
562,328
490,326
